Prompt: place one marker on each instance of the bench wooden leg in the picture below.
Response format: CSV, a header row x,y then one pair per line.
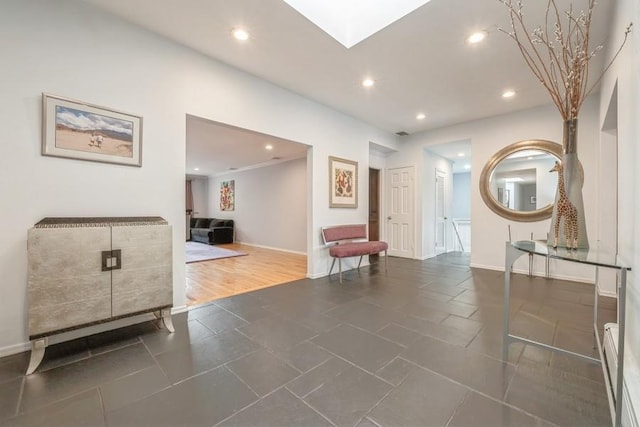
x,y
340,269
360,262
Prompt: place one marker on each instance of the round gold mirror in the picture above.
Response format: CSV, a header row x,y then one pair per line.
x,y
516,183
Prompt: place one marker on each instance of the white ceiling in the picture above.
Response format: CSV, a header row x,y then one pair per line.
x,y
420,63
215,148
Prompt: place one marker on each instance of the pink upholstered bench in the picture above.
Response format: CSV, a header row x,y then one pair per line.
x,y
345,247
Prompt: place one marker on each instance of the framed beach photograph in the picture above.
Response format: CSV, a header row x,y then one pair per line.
x,y
79,130
343,183
227,195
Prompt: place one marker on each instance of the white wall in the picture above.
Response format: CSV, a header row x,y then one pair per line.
x,y
54,47
200,190
270,205
487,137
461,197
625,72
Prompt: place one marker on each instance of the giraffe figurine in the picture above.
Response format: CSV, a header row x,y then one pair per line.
x,y
567,210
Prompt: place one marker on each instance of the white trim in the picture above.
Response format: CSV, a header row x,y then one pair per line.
x,y
271,248
629,416
14,349
89,330
541,274
486,267
180,309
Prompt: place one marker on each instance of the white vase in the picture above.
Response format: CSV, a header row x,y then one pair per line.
x,y
573,179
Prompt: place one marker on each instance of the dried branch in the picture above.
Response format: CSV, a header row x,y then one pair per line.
x,y
559,54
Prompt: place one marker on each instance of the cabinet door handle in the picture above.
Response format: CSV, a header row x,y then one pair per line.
x,y
111,260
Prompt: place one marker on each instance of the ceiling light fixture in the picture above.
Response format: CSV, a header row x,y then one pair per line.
x,y
368,82
460,154
476,37
421,116
268,147
508,94
240,34
196,169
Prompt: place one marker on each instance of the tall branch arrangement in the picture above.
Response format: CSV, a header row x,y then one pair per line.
x,y
558,52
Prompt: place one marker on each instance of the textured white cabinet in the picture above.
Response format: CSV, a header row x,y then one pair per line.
x,y
84,271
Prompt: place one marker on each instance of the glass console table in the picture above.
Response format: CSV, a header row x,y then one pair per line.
x,y
591,256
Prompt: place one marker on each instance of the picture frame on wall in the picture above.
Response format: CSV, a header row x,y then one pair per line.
x,y
78,130
343,183
227,195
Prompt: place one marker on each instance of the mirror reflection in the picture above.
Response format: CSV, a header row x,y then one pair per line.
x,y
516,183
522,182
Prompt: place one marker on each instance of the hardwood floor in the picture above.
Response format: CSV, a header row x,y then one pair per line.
x,y
211,280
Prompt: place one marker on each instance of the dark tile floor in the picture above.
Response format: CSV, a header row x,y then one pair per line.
x,y
419,346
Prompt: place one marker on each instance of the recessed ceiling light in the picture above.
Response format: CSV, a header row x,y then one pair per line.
x,y
476,37
467,166
240,34
196,169
460,154
421,116
368,82
508,94
268,147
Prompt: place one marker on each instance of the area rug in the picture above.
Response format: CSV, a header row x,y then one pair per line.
x,y
202,252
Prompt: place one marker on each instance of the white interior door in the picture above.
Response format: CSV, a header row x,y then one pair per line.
x,y
441,218
400,217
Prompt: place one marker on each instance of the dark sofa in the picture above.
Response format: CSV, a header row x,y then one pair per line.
x,y
212,231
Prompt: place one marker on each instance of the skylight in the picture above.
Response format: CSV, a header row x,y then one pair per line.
x,y
351,21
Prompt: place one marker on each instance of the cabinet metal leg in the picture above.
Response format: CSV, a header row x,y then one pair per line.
x,y
38,348
166,319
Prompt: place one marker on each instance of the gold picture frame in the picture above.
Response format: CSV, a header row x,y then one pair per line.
x,y
343,183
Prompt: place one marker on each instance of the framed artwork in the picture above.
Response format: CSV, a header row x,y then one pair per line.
x,y
343,183
79,130
227,195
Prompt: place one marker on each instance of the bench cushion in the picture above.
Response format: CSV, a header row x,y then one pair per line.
x,y
357,249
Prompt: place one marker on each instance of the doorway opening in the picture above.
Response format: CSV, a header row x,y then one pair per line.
x,y
449,165
248,210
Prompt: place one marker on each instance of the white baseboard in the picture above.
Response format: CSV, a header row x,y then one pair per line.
x,y
539,274
89,330
272,248
14,349
486,267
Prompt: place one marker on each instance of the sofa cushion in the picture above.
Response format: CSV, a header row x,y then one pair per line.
x,y
202,223
228,223
217,223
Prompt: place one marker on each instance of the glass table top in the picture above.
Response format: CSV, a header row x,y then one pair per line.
x,y
593,255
